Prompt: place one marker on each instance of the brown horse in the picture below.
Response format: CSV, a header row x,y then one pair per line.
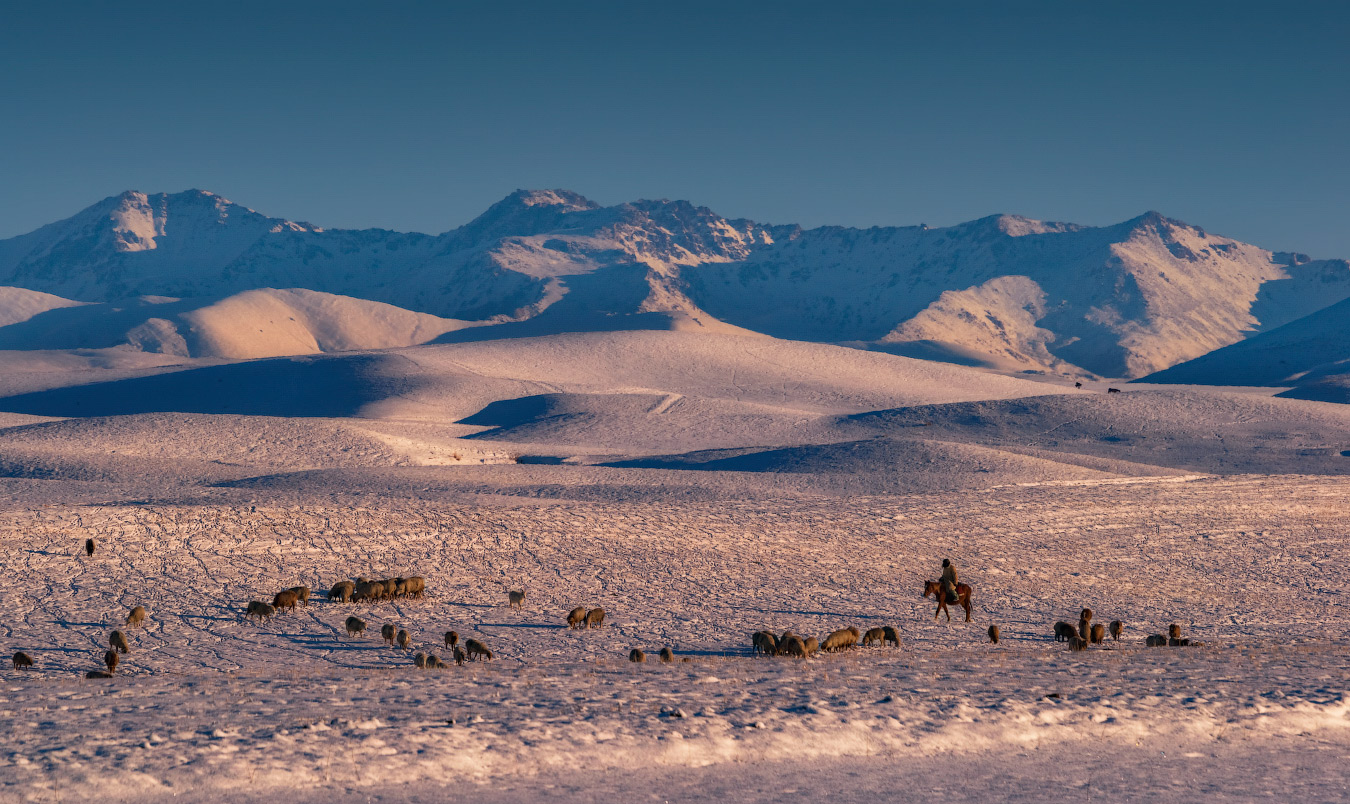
x,y
934,588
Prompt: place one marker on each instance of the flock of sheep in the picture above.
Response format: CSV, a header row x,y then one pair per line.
x,y
1090,633
764,643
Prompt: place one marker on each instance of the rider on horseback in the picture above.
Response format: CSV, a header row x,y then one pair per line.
x,y
948,580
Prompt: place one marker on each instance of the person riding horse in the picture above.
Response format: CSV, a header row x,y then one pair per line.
x,y
948,580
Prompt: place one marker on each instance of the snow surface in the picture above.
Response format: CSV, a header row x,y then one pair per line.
x,y
699,488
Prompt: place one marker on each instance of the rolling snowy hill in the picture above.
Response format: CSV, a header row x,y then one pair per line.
x,y
1004,292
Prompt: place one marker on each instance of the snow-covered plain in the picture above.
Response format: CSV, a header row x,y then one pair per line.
x,y
699,488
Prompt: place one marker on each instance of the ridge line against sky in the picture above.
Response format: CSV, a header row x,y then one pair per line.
x,y
1227,116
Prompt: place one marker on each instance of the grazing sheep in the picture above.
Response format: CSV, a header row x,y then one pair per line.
x,y
435,663
390,588
516,600
451,639
22,661
285,600
857,635
1085,614
784,638
459,657
97,674
993,634
764,643
404,641
355,626
301,594
1085,629
839,640
110,659
595,617
1078,385
259,609
812,646
1116,627
793,646
415,586
342,591
1156,641
892,635
118,640
1174,631
367,590
89,547
636,655
1064,631
136,617
576,617
420,660
667,655
387,632
1077,643
875,636
1113,390
1098,634
476,649
400,587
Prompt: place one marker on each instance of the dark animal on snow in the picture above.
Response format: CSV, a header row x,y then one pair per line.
x,y
1116,627
839,640
89,547
387,632
22,661
118,640
110,659
136,617
1077,643
874,636
459,656
892,635
1156,641
476,649
355,625
667,655
1113,390
516,600
259,609
1098,634
285,600
1085,614
764,643
636,655
1063,631
576,617
301,594
812,646
595,618
993,634
792,646
1174,631
404,641
451,639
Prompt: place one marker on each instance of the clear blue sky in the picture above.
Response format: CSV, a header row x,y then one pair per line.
x,y
417,116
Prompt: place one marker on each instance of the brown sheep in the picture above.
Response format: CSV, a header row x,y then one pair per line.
x,y
892,635
459,657
476,649
1077,643
595,617
259,609
667,655
1174,631
355,625
387,632
792,646
515,600
118,640
1156,641
435,663
636,655
415,586
1064,631
390,589
400,587
576,617
342,591
22,661
420,660
1085,630
301,594
874,636
1085,614
89,547
812,646
451,639
764,643
136,617
404,641
110,659
1116,628
839,640
1098,634
993,634
784,638
285,600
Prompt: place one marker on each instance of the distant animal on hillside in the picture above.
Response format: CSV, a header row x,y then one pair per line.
x,y
355,626
259,609
404,641
874,636
934,588
1116,628
793,646
136,617
764,643
576,617
301,594
1113,390
476,649
110,659
1098,634
1063,631
285,600
812,646
636,655
515,599
1156,641
415,586
839,640
451,639
118,640
667,655
595,618
89,547
342,591
1078,385
387,632
891,635
993,634
22,661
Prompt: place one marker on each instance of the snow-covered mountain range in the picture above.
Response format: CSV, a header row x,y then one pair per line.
x,y
194,274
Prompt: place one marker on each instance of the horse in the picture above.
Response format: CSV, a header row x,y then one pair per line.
x,y
934,588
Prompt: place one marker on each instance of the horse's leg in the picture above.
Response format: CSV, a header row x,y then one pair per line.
x,y
966,604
